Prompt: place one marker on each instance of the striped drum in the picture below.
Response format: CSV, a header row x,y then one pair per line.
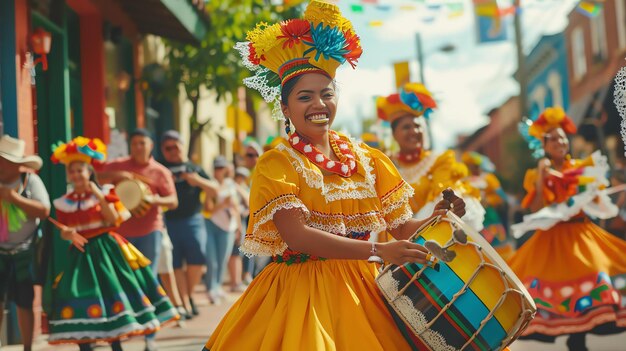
x,y
469,299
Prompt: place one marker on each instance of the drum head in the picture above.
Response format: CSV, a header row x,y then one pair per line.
x,y
130,193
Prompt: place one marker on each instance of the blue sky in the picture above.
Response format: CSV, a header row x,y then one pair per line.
x,y
467,82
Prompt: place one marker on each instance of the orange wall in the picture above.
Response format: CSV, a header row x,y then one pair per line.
x,y
25,125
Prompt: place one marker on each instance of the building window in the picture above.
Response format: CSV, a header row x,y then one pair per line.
x,y
599,47
620,14
555,92
578,53
119,89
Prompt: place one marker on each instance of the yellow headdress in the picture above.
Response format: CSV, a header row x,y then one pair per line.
x,y
551,118
92,151
413,99
318,43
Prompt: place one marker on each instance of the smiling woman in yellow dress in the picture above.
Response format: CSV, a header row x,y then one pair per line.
x,y
315,198
427,171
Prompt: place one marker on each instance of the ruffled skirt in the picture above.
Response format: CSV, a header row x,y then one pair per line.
x,y
576,273
101,297
315,305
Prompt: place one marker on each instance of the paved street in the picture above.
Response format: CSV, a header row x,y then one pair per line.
x,y
191,337
195,332
594,343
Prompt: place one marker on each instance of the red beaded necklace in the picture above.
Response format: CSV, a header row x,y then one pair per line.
x,y
410,157
345,167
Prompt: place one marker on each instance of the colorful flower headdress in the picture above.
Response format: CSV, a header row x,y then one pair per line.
x,y
475,158
92,151
318,43
533,131
413,98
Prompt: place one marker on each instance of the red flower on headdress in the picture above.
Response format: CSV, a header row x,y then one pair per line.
x,y
394,98
353,46
71,147
294,31
252,56
426,100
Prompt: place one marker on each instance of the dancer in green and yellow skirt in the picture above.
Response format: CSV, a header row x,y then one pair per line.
x,y
107,291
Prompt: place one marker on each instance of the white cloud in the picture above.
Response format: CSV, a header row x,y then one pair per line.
x,y
357,91
466,83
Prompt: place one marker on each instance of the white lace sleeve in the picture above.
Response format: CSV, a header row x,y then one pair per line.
x,y
620,100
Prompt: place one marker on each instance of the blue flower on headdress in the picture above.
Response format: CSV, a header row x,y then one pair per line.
x,y
534,144
87,150
328,42
412,100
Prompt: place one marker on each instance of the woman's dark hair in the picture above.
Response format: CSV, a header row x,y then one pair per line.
x,y
394,124
396,121
93,178
288,88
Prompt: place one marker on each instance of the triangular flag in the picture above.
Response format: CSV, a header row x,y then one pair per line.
x,y
589,8
356,8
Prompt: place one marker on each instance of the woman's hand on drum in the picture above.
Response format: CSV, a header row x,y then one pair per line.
x,y
450,202
402,251
72,235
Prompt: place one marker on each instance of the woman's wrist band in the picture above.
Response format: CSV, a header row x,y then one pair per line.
x,y
374,258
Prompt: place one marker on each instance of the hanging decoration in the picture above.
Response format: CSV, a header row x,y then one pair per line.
x,y
590,8
41,41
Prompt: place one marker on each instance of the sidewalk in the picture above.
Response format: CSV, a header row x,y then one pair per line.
x,y
191,337
195,333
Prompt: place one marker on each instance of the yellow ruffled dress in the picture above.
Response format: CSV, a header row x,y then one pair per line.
x,y
430,175
575,271
300,302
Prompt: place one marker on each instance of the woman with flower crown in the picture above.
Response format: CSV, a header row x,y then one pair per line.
x,y
106,291
574,270
428,172
315,198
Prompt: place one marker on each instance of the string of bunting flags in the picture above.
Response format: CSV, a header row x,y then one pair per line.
x,y
492,9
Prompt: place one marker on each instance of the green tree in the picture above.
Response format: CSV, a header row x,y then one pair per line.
x,y
214,63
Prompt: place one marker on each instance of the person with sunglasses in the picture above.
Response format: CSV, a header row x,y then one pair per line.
x,y
185,224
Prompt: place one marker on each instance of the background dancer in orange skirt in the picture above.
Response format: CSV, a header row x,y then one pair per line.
x,y
575,271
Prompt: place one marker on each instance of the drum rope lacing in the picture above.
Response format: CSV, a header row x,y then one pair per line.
x,y
515,331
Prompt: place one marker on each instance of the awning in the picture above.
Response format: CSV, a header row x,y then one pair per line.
x,y
173,19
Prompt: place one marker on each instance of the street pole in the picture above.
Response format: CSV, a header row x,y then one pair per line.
x,y
420,56
420,62
521,62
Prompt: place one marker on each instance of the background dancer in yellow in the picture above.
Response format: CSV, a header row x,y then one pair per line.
x,y
428,172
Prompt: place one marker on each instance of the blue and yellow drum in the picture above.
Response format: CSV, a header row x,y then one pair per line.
x,y
471,302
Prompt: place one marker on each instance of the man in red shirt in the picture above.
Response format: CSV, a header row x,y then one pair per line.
x,y
144,232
